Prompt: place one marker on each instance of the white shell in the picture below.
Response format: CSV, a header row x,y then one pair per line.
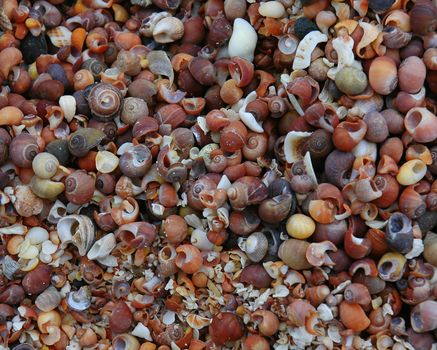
x,y
291,145
309,167
243,40
272,9
306,47
141,331
365,148
78,230
106,162
68,106
200,240
285,79
248,118
103,247
37,235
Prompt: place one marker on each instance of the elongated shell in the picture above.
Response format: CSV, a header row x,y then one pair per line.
x,y
306,47
78,230
243,40
102,247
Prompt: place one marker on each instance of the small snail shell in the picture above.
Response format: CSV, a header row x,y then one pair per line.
x,y
45,188
300,226
105,101
83,140
45,165
383,75
412,73
79,187
256,246
168,29
411,172
23,149
293,253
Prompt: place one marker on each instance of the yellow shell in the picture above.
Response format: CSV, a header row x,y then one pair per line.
x,y
411,172
300,226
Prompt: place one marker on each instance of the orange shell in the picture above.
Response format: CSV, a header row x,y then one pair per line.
x,y
353,317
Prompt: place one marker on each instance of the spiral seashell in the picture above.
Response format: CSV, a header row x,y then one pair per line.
x,y
105,101
167,30
45,165
189,258
23,149
411,203
399,233
80,300
166,259
395,38
256,246
133,110
79,187
78,230
83,140
411,172
136,234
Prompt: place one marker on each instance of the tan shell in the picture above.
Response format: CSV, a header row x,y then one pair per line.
x,y
255,246
26,203
78,230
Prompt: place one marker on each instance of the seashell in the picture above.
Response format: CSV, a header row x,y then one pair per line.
x,y
316,253
421,124
351,80
293,145
399,233
292,252
136,234
395,38
343,45
126,341
45,188
11,115
199,239
322,211
45,165
255,275
78,230
306,47
79,300
105,101
363,48
248,118
48,300
411,172
106,162
255,246
59,36
273,9
243,40
10,57
189,258
423,17
102,248
26,202
353,317
168,29
412,73
383,75
68,105
411,203
391,266
366,190
348,134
